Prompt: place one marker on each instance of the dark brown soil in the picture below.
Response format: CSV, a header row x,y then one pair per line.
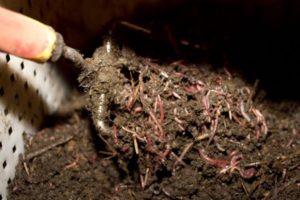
x,y
164,131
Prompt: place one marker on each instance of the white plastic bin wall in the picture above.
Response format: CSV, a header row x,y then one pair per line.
x,y
28,91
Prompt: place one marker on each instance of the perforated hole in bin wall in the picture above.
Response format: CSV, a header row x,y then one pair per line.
x,y
7,57
1,91
28,91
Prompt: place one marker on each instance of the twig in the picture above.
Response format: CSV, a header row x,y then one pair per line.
x,y
184,152
161,109
144,179
162,135
229,76
135,27
229,109
254,91
244,114
202,137
26,168
134,136
245,188
47,148
213,131
165,192
178,159
114,152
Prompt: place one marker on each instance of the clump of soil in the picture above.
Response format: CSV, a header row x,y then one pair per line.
x,y
165,131
155,115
